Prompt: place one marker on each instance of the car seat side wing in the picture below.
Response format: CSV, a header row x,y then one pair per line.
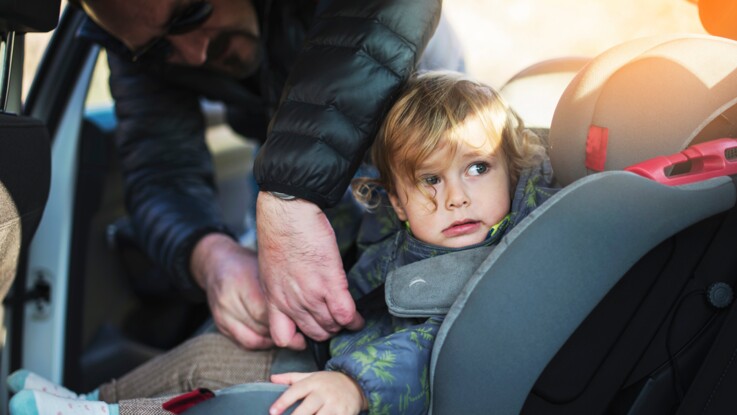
x,y
543,279
246,399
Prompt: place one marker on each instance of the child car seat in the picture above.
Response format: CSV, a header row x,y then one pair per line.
x,y
529,333
615,293
534,91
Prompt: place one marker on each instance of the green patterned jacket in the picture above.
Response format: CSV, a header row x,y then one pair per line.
x,y
389,358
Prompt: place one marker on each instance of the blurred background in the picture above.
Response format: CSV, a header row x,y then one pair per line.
x,y
502,37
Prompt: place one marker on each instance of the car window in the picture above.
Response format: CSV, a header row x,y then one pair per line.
x,y
35,44
99,92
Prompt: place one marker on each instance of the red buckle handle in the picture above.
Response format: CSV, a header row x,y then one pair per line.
x,y
181,403
711,159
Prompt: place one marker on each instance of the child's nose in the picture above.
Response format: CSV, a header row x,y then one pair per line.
x,y
457,197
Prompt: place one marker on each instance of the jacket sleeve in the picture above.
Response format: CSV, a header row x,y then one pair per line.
x,y
356,56
394,370
167,169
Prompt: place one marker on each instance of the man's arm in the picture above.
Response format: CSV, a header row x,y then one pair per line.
x,y
168,174
229,275
356,57
170,195
291,234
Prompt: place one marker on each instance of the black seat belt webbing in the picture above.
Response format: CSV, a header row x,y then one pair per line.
x,y
369,302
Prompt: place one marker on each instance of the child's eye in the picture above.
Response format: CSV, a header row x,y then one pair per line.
x,y
430,180
478,169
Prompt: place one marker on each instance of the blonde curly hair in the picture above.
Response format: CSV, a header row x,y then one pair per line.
x,y
427,113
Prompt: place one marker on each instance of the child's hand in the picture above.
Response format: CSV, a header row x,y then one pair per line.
x,y
323,393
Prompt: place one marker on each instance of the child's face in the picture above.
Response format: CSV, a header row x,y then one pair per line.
x,y
471,189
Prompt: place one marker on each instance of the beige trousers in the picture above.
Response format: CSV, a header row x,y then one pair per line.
x,y
208,361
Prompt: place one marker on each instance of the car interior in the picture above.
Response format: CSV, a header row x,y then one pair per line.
x,y
25,164
85,314
632,310
629,309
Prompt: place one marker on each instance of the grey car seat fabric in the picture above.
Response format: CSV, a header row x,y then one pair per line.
x,y
248,399
430,287
514,314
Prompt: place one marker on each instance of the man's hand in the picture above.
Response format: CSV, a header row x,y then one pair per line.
x,y
301,272
229,274
321,393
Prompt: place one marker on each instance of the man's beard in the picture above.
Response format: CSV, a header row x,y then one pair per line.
x,y
233,65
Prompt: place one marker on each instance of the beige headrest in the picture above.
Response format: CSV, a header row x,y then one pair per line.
x,y
653,96
534,92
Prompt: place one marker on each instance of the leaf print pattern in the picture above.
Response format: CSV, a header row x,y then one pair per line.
x,y
390,357
531,192
393,368
423,333
377,362
377,406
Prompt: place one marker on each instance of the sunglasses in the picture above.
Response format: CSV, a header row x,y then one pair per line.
x,y
187,20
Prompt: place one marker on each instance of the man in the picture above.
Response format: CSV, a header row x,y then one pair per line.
x,y
321,73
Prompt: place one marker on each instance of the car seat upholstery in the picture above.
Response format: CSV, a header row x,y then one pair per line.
x,y
25,164
629,296
655,96
520,312
534,92
639,349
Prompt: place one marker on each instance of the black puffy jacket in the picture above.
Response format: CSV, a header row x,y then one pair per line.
x,y
330,72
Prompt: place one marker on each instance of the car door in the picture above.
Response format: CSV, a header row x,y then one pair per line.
x,y
103,315
24,169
